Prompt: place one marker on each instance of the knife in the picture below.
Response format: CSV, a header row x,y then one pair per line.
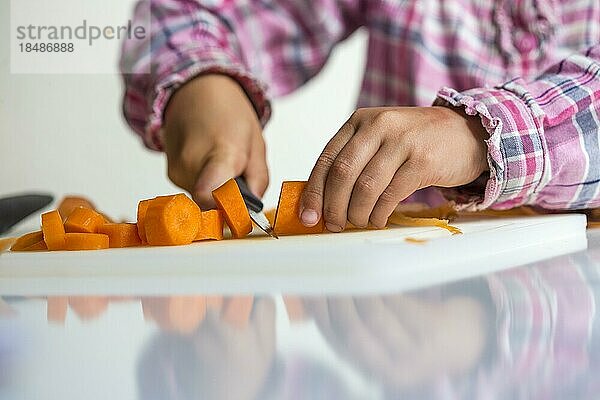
x,y
255,207
15,209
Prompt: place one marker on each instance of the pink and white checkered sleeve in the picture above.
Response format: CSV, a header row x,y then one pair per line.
x,y
269,47
543,148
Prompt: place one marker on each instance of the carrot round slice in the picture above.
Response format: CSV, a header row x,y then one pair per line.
x,y
85,241
27,240
287,219
229,199
83,220
53,230
211,225
141,217
172,221
121,235
39,246
71,203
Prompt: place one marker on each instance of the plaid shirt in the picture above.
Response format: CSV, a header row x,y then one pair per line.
x,y
529,68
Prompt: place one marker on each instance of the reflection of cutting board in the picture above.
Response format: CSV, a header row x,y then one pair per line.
x,y
352,262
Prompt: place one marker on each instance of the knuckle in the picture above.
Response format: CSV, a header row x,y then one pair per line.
x,y
389,196
385,118
331,214
326,159
341,169
366,184
312,195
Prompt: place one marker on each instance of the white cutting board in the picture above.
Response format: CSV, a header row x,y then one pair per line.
x,y
352,262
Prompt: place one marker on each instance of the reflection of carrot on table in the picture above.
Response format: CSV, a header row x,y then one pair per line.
x,y
57,309
237,311
88,307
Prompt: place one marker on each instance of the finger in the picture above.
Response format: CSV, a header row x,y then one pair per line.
x,y
406,181
220,166
311,203
371,183
184,160
342,176
257,171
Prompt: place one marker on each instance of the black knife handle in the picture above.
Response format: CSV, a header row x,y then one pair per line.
x,y
16,208
252,202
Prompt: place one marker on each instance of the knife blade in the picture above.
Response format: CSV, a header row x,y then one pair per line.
x,y
255,207
16,208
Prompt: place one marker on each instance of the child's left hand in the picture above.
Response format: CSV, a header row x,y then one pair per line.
x,y
380,156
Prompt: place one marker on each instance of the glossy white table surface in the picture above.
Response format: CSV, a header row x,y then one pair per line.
x,y
538,337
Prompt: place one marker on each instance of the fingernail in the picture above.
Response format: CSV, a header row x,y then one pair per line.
x,y
333,228
310,217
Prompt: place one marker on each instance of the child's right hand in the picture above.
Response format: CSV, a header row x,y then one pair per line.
x,y
212,134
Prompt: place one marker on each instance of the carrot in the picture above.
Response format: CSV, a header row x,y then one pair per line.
x,y
6,243
71,203
57,309
53,230
230,201
181,314
85,241
172,221
27,240
141,217
270,214
237,311
121,235
401,220
287,219
83,220
211,226
39,246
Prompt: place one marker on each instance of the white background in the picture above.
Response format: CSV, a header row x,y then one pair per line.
x,y
65,133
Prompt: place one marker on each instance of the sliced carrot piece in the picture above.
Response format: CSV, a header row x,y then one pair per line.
x,y
287,220
121,235
270,214
27,240
57,309
85,241
7,243
71,203
237,311
401,220
141,217
230,201
83,220
53,230
211,225
172,221
39,246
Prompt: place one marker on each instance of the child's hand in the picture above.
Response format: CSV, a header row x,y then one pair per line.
x,y
381,156
212,134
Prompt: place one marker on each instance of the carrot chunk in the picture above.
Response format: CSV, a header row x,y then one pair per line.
x,y
39,246
27,240
172,221
121,235
141,217
230,201
83,220
287,219
53,230
211,226
71,203
85,241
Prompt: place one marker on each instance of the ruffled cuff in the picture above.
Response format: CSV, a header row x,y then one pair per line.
x,y
515,149
187,68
